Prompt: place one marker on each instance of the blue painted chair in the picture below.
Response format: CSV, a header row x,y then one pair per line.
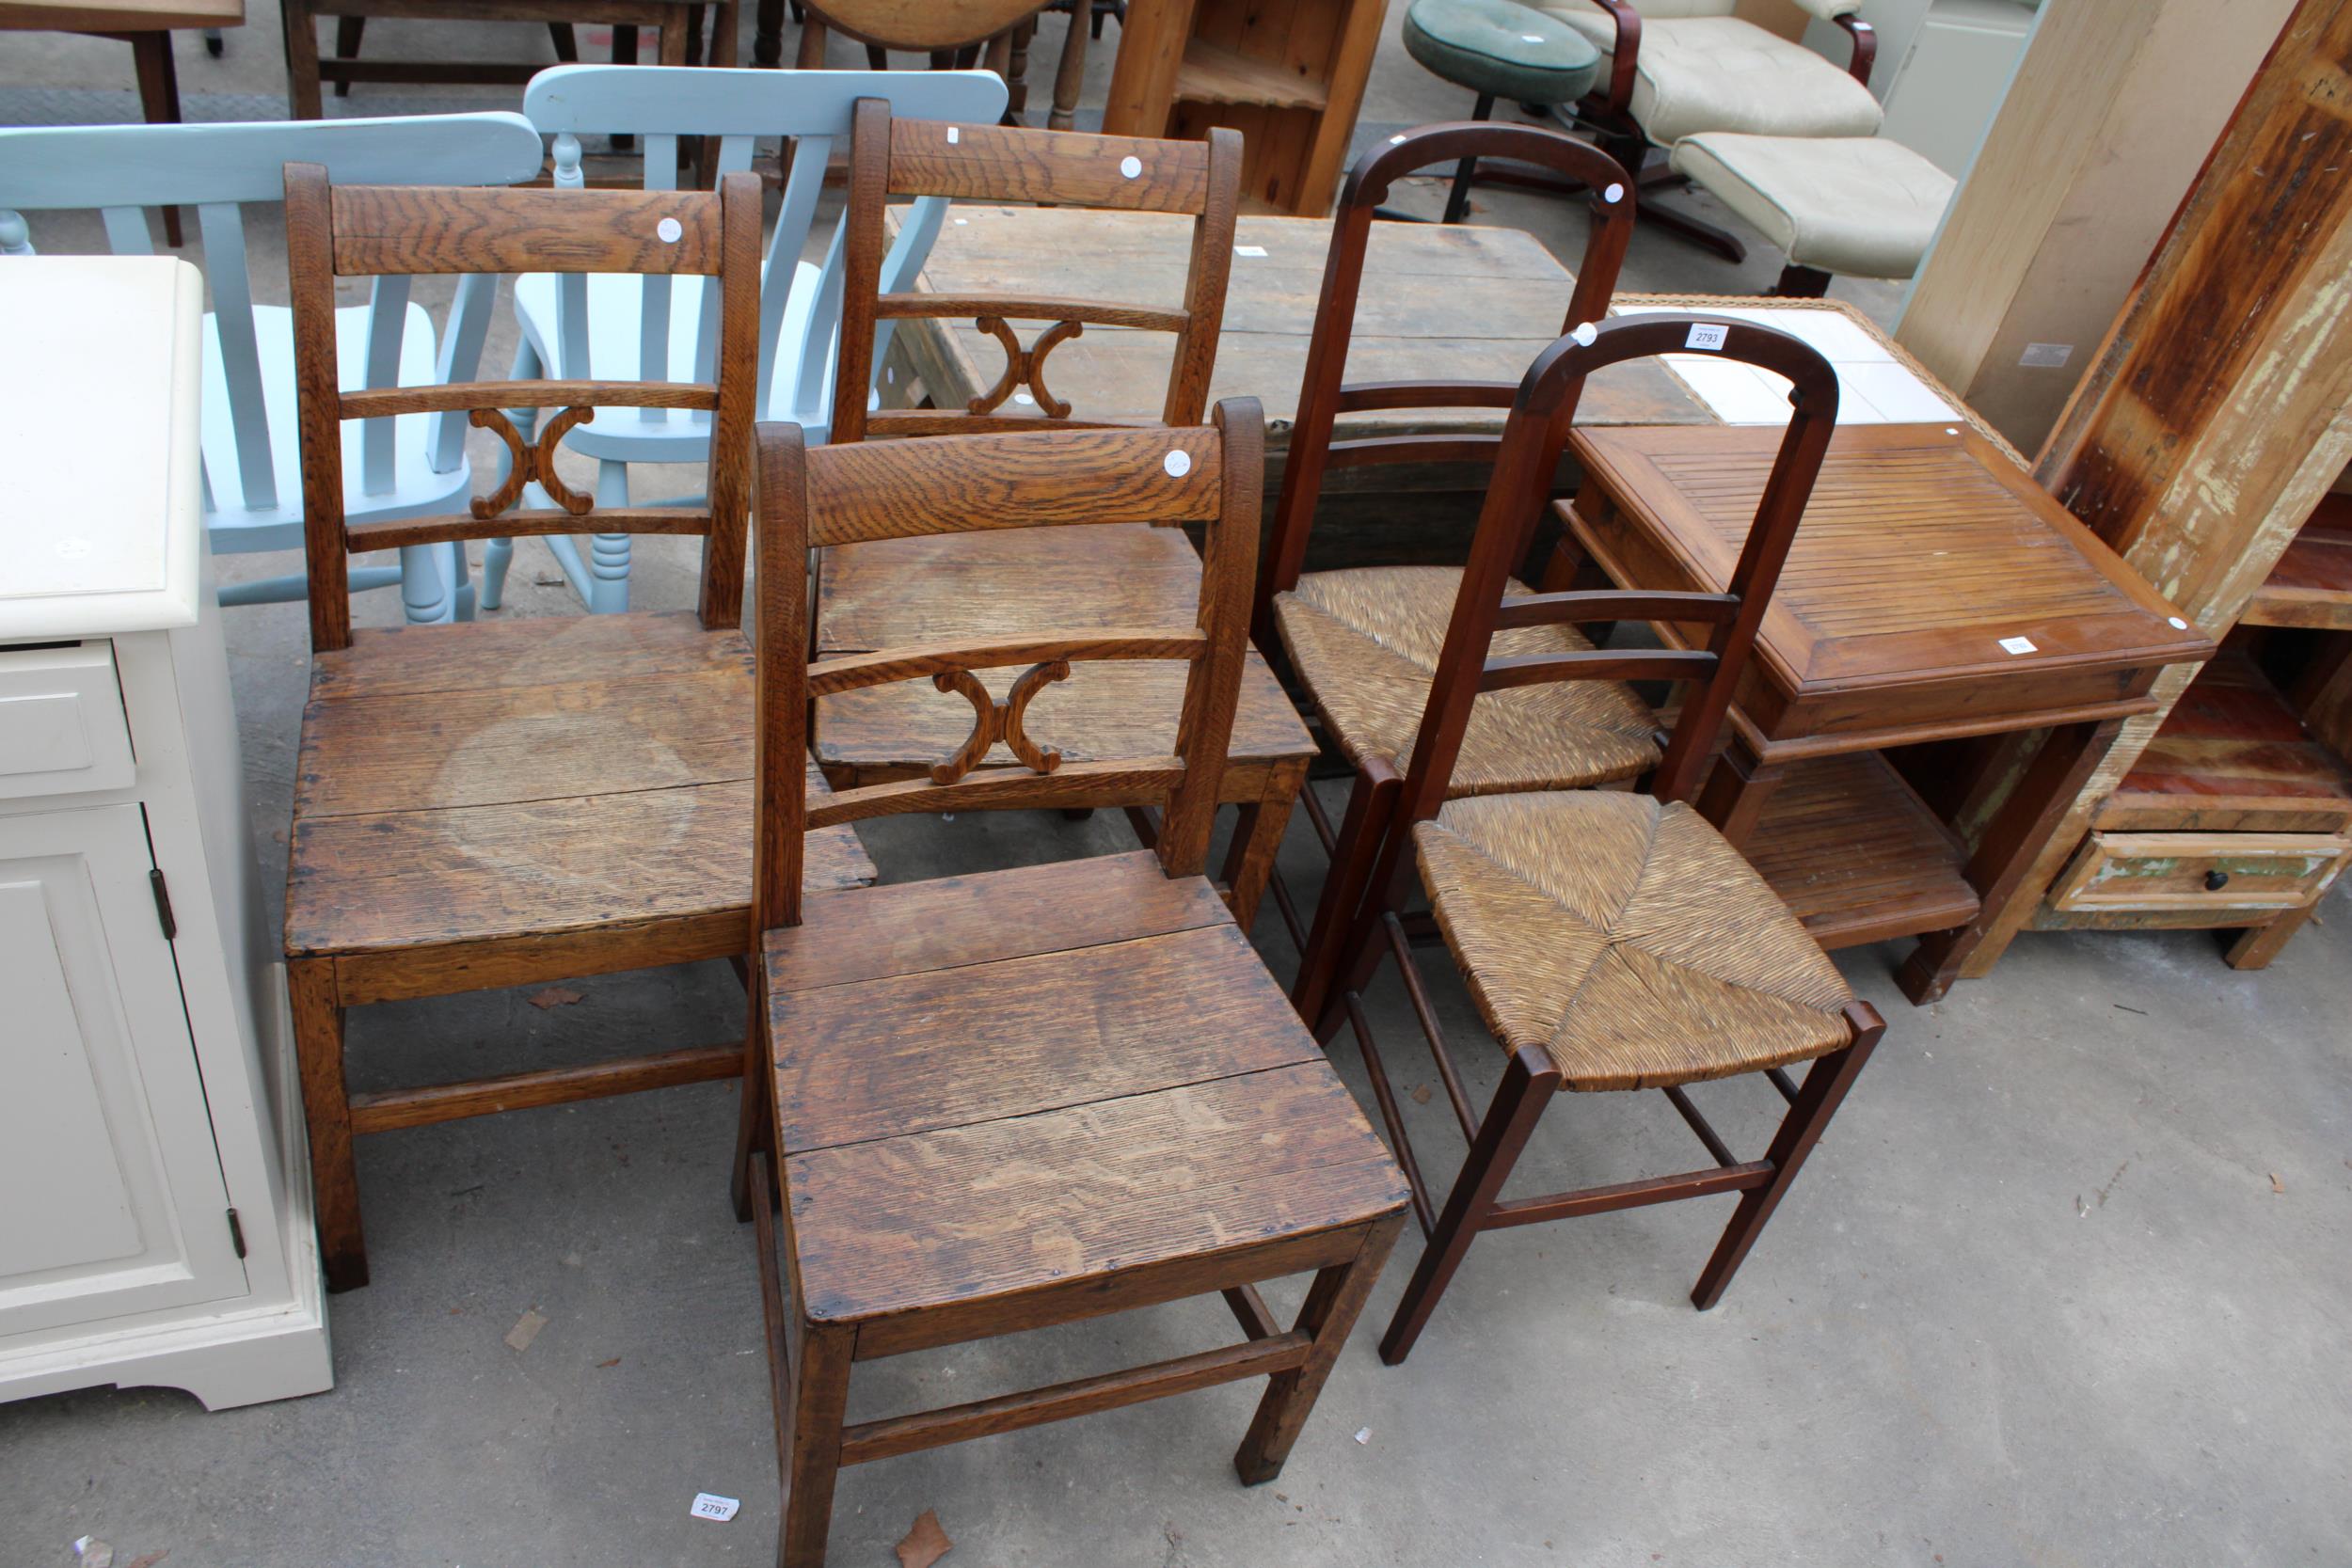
x,y
412,466
631,328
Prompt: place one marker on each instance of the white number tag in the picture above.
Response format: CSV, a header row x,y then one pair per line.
x,y
710,1506
1707,335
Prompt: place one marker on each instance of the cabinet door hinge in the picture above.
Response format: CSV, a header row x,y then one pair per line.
x,y
236,1233
163,905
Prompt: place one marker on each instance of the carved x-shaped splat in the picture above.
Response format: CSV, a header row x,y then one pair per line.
x,y
533,461
999,719
1023,367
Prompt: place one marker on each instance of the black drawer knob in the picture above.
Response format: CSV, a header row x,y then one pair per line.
x,y
2217,881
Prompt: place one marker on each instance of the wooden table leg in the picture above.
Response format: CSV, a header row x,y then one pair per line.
x,y
2011,841
1734,794
1070,76
302,60
1258,838
159,97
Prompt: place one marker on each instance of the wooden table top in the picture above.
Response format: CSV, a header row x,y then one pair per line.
x,y
118,16
1934,589
1439,302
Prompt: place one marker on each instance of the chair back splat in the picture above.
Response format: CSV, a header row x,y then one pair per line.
x,y
984,162
846,494
401,233
1323,396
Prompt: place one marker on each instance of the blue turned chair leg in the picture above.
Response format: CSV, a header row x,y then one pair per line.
x,y
1457,200
608,553
426,593
498,554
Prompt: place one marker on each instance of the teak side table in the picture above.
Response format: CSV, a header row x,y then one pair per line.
x,y
1934,593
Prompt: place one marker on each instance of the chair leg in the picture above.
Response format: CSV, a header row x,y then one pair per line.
x,y
348,31
1457,200
1069,75
302,59
608,553
1797,282
159,97
318,1027
427,593
566,42
767,33
461,575
1818,1099
1333,1302
811,1458
1371,804
1527,1087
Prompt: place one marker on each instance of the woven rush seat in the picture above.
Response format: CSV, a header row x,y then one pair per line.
x,y
1366,641
502,780
1624,939
1053,1075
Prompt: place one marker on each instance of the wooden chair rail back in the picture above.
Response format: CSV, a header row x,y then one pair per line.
x,y
219,170
398,231
1323,397
1531,441
895,489
929,160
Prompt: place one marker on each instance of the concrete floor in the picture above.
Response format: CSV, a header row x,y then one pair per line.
x,y
2065,1285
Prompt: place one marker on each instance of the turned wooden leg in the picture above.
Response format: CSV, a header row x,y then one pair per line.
x,y
812,1459
1527,1087
1333,1303
767,33
1071,74
318,1025
1817,1098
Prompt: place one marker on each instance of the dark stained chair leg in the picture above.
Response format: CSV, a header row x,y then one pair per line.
x,y
1527,1087
348,31
1333,1302
318,1024
566,42
767,33
1371,803
1823,1090
1458,200
159,97
1797,282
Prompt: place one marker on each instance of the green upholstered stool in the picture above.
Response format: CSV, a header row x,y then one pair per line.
x,y
1499,49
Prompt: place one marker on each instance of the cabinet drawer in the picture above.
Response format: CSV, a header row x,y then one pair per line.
x,y
2220,872
61,724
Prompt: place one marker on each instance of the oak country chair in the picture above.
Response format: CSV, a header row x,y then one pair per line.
x,y
875,592
1611,940
393,467
657,328
1362,642
509,802
1029,1096
1672,68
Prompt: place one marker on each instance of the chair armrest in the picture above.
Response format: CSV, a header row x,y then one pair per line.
x,y
1865,46
1622,54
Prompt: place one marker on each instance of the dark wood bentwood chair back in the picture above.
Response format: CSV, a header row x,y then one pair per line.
x,y
1323,396
1612,940
988,163
1098,1029
369,230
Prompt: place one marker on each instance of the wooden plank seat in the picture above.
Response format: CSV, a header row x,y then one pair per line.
x,y
525,783
498,803
1362,642
969,586
1612,939
1000,1101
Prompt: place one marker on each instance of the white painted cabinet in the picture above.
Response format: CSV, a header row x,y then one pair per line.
x,y
1943,66
154,1222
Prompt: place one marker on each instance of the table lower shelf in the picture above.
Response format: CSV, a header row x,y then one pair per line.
x,y
1858,856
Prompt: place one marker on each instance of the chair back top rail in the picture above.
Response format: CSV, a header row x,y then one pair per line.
x,y
121,170
1037,478
811,109
1531,441
336,231
1321,395
990,163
